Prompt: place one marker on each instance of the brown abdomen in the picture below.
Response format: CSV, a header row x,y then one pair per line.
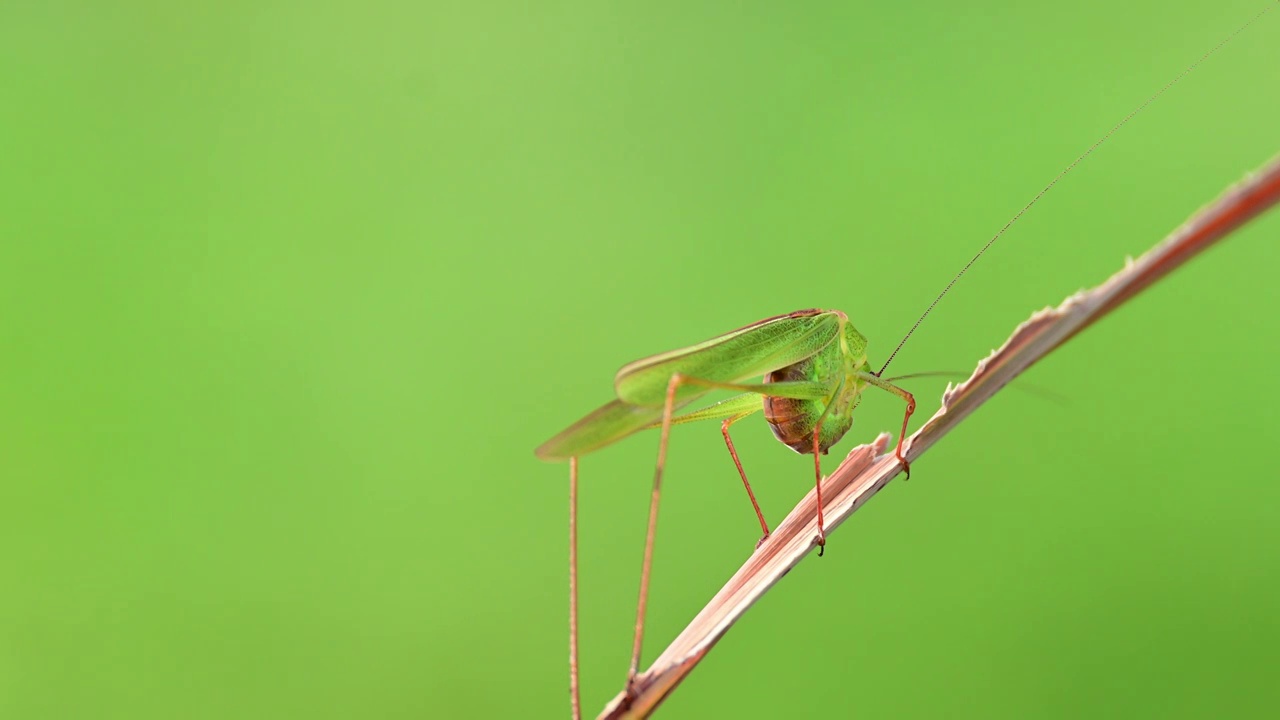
x,y
792,420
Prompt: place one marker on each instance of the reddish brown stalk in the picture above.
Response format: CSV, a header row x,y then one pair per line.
x,y
867,468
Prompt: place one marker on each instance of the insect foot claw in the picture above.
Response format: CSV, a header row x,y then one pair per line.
x,y
762,540
822,544
906,467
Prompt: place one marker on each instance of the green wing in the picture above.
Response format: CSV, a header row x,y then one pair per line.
x,y
607,424
747,352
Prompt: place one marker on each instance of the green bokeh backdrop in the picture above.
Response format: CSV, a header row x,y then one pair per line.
x,y
290,291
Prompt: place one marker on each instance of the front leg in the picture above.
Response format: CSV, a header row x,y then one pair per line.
x,y
911,408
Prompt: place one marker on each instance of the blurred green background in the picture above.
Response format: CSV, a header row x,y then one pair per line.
x,y
290,291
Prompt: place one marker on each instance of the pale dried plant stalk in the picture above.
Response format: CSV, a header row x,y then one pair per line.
x,y
868,468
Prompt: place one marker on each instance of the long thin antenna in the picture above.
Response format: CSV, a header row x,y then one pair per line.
x,y
1063,174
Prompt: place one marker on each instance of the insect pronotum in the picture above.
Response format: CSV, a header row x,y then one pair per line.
x,y
813,367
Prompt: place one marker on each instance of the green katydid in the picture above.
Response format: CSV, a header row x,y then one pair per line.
x,y
813,367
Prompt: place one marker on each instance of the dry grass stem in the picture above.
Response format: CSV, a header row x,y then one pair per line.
x,y
868,468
